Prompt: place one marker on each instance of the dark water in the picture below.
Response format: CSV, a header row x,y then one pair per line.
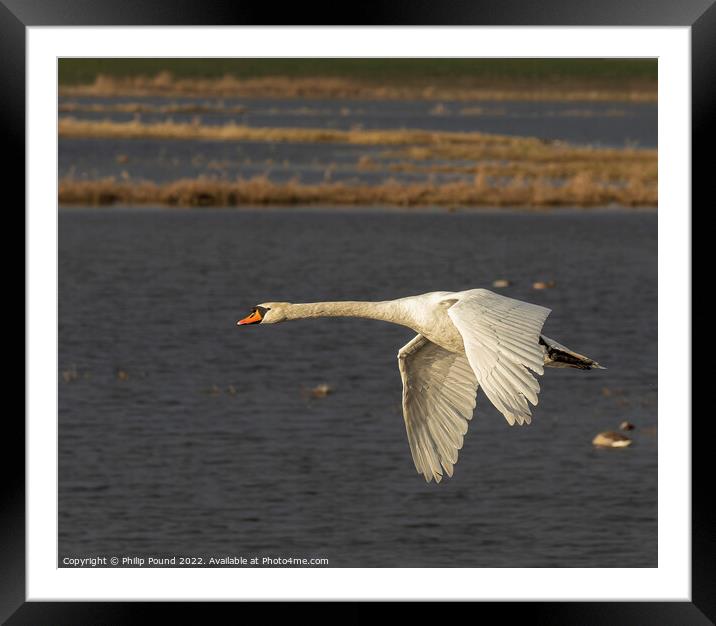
x,y
167,160
206,445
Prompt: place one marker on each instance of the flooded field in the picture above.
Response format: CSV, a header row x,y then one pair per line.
x,y
597,124
613,124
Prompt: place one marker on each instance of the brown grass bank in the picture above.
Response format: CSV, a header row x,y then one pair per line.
x,y
330,87
136,129
414,144
419,151
579,191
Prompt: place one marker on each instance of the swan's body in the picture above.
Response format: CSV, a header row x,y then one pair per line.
x,y
466,340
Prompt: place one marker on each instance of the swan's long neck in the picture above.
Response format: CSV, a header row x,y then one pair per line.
x,y
388,311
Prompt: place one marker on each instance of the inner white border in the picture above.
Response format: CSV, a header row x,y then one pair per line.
x,y
671,580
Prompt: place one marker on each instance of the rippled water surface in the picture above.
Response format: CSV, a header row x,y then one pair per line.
x,y
182,434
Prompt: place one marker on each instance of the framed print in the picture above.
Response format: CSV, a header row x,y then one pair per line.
x,y
509,189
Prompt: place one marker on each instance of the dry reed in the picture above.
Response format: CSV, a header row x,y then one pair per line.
x,y
580,190
136,129
421,151
413,144
164,84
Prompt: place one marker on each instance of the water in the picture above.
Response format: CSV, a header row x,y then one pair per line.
x,y
207,444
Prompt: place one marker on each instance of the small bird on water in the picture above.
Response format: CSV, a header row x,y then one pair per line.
x,y
610,439
466,340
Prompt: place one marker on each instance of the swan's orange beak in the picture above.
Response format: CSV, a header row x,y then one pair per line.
x,y
253,318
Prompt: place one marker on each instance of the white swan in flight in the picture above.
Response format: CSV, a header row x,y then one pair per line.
x,y
466,340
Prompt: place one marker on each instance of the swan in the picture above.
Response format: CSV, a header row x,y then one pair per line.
x,y
466,340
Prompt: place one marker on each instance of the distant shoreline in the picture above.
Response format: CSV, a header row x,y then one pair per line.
x,y
315,88
364,78
393,166
377,208
577,192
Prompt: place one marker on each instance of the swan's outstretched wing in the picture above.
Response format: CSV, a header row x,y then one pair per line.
x,y
439,389
501,338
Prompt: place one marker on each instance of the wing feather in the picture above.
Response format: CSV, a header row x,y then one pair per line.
x,y
439,389
501,338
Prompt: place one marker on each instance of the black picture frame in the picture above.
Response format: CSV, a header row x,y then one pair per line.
x,y
17,15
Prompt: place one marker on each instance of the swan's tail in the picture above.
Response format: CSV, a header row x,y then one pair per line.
x,y
556,355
